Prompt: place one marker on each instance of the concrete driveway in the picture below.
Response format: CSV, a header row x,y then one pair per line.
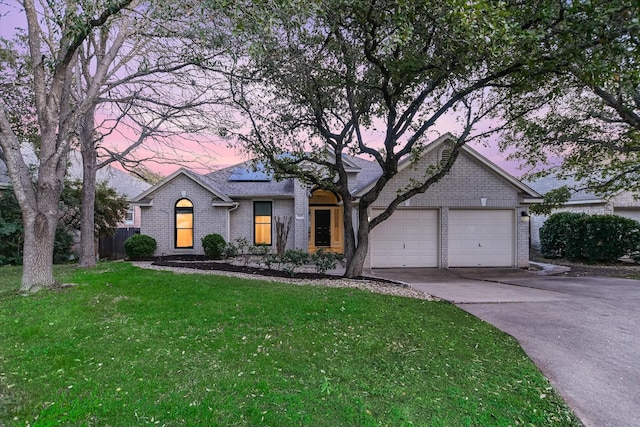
x,y
582,332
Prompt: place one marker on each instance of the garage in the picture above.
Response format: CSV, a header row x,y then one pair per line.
x,y
409,238
481,238
630,213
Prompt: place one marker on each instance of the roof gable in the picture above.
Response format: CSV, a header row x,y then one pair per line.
x,y
198,179
438,143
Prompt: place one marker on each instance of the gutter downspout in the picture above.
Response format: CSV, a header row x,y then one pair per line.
x,y
235,206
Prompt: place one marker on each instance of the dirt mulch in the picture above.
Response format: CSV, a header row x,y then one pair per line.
x,y
202,264
623,269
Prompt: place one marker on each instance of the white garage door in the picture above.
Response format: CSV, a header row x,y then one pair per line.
x,y
628,213
481,238
408,238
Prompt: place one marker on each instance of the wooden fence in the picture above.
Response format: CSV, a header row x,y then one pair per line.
x,y
112,247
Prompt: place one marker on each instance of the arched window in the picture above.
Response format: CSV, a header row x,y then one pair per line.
x,y
184,223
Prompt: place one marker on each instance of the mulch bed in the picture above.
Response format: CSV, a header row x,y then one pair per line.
x,y
622,269
198,262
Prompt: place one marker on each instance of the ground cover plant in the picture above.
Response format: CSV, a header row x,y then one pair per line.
x,y
131,347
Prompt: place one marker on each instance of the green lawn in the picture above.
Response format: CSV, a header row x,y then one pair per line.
x,y
133,347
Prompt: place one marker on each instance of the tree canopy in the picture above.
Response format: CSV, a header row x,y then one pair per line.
x,y
376,79
585,117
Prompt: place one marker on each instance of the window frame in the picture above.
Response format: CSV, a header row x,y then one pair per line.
x,y
183,210
255,223
130,211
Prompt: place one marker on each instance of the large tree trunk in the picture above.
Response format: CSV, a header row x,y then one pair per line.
x,y
89,170
349,234
356,263
39,237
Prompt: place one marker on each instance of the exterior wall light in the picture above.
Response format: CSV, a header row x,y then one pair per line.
x,y
524,216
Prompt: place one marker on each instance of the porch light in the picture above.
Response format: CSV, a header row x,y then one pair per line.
x,y
483,201
524,216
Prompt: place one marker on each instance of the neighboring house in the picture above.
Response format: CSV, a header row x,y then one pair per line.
x,y
475,216
623,203
123,182
5,181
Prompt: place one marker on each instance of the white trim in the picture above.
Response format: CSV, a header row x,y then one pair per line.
x,y
586,202
130,210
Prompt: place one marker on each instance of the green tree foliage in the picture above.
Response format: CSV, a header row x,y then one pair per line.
x,y
110,207
109,211
553,199
12,233
578,236
586,115
324,79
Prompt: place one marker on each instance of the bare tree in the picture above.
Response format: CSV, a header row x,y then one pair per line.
x,y
151,89
54,35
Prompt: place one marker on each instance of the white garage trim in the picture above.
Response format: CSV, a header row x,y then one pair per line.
x,y
408,238
481,238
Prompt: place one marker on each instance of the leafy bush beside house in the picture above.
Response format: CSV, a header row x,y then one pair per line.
x,y
578,236
140,246
213,245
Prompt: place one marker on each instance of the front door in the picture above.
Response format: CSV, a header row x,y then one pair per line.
x,y
323,227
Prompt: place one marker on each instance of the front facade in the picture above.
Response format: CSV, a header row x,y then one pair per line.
x,y
475,216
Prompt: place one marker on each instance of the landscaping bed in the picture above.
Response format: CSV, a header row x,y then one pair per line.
x,y
620,268
201,263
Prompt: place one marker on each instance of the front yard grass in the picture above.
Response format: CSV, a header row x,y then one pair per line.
x,y
134,347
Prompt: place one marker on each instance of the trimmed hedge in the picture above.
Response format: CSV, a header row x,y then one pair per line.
x,y
213,245
140,246
578,236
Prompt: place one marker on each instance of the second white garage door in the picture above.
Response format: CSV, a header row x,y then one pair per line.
x,y
628,213
408,238
481,238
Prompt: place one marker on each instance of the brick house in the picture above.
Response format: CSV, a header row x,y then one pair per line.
x,y
475,216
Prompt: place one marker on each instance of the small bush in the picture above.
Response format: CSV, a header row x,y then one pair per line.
x,y
230,250
590,237
293,259
325,260
140,246
213,245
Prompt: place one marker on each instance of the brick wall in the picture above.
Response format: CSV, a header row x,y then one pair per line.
x,y
242,220
466,184
158,220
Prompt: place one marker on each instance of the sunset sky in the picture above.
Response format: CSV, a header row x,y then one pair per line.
x,y
214,151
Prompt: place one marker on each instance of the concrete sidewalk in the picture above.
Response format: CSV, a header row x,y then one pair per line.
x,y
582,332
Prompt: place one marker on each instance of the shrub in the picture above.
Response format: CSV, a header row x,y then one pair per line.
x,y
230,250
558,235
140,246
293,259
213,245
324,260
62,246
590,237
